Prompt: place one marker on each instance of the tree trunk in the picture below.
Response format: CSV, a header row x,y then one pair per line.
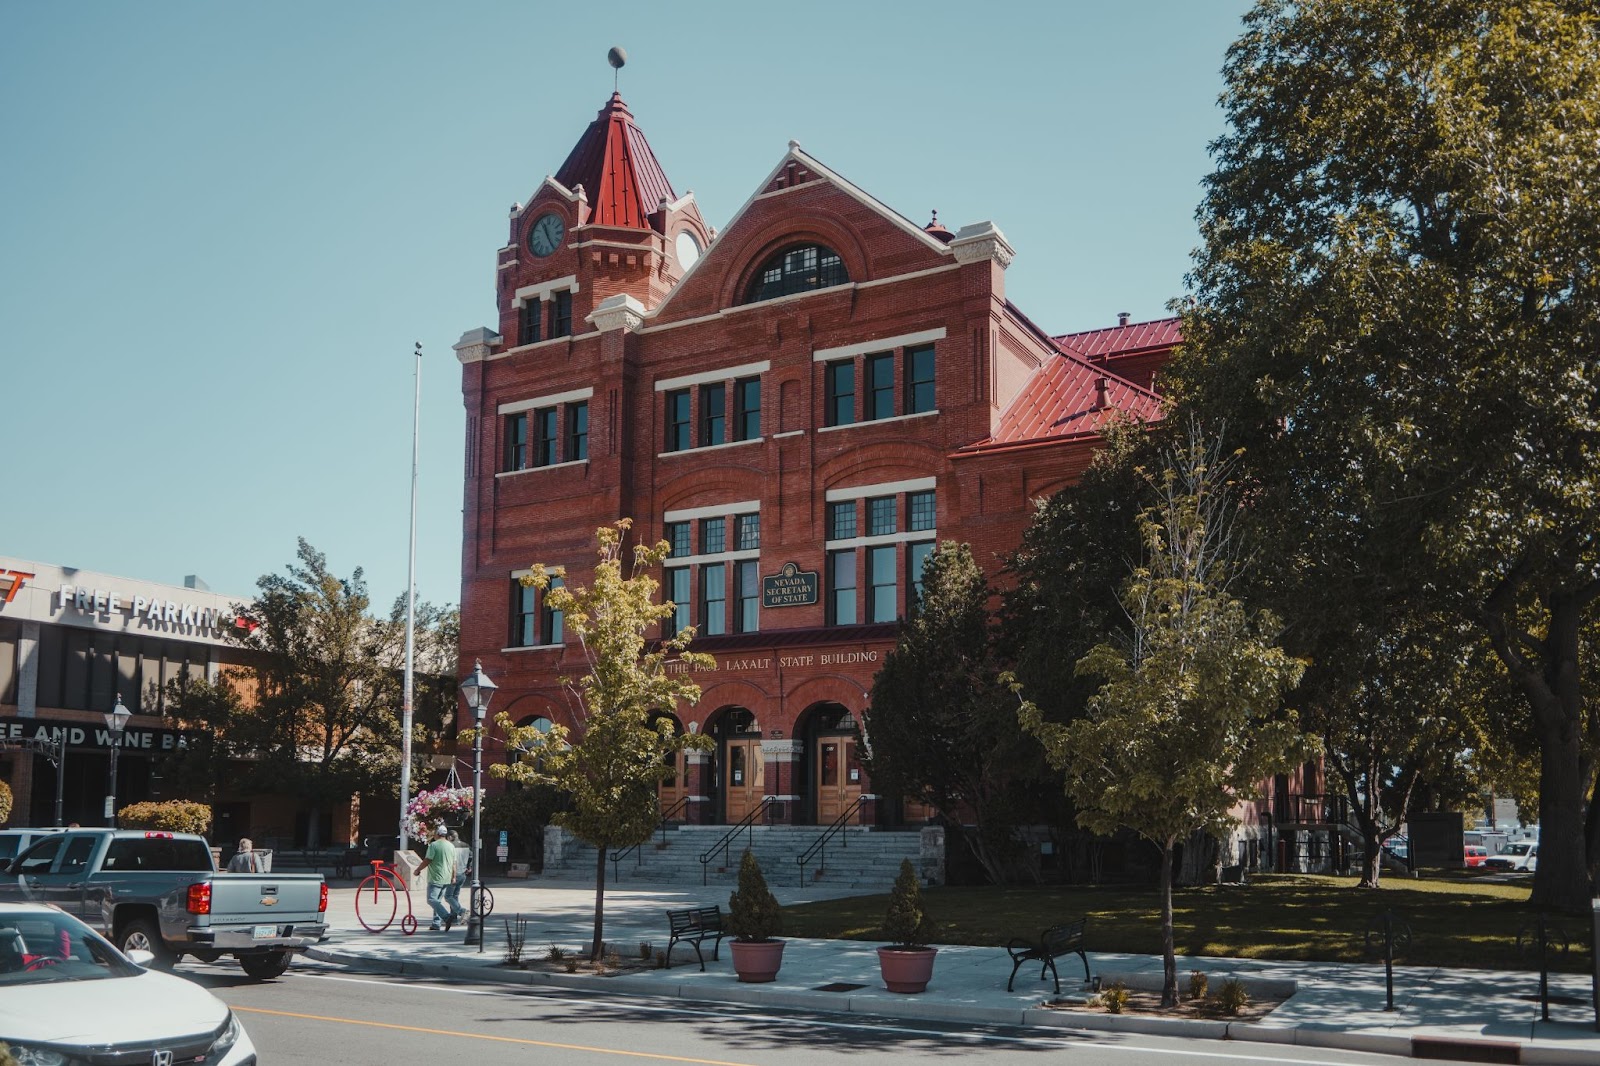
x,y
1561,883
1371,857
314,828
1169,961
598,947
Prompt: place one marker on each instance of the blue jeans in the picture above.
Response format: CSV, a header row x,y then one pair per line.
x,y
437,897
452,896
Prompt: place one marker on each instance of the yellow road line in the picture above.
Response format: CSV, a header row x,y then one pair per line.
x,y
495,1039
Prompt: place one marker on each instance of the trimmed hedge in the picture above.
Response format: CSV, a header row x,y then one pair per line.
x,y
171,816
5,803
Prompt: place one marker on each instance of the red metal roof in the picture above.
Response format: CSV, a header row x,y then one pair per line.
x,y
618,171
1063,399
1121,340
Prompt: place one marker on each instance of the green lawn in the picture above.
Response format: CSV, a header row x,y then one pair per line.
x,y
1454,922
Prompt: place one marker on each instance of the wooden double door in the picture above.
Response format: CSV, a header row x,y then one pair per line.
x,y
837,776
744,777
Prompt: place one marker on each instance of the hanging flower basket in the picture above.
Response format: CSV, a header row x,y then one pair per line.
x,y
452,806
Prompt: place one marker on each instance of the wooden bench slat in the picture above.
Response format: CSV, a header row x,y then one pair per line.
x,y
693,926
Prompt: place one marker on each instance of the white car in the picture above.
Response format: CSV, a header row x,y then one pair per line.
x,y
68,997
1521,855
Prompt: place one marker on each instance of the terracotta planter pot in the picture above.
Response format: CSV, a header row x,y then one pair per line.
x,y
756,961
906,969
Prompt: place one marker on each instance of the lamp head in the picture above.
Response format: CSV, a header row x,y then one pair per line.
x,y
117,717
478,689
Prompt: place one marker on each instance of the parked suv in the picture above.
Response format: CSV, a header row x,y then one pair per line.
x,y
14,842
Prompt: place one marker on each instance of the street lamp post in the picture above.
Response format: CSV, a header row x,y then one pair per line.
x,y
478,691
54,749
117,722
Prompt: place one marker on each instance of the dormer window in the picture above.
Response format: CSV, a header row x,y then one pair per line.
x,y
801,269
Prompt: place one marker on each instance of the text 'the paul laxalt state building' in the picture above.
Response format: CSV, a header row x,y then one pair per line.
x,y
800,403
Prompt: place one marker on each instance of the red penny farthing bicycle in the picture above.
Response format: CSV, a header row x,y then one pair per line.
x,y
378,899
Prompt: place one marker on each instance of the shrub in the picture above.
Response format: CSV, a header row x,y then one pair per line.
x,y
1197,985
1232,998
170,816
906,924
556,953
1115,998
5,810
753,912
646,949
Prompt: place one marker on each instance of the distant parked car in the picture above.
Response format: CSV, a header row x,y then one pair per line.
x,y
1521,855
1475,856
14,842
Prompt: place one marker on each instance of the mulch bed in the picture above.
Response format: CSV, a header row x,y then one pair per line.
x,y
1149,1003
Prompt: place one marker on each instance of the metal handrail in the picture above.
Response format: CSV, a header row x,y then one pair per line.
x,y
835,828
747,823
633,849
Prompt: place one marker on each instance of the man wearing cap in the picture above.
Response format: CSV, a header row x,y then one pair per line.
x,y
440,861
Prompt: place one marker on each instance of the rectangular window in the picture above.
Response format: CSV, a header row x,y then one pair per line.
x,y
523,633
713,600
528,322
561,315
880,386
842,520
677,593
841,381
919,380
677,420
749,527
713,414
677,535
577,432
916,555
921,513
552,628
544,436
747,588
747,409
516,457
713,536
884,583
881,515
842,588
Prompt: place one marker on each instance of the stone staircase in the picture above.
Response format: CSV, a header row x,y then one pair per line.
x,y
858,857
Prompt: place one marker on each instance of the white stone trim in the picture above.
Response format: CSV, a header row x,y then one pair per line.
x,y
710,447
882,539
547,342
475,344
875,282
531,647
715,510
877,421
617,312
850,351
787,433
544,290
710,377
885,488
681,561
548,466
981,241
546,401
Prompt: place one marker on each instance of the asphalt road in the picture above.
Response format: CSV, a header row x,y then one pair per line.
x,y
317,1015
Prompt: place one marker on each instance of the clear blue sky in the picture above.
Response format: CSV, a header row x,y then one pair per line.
x,y
226,224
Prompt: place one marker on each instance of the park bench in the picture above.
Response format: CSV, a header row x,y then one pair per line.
x,y
1054,942
693,926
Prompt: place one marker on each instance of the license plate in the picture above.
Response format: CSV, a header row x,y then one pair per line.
x,y
266,932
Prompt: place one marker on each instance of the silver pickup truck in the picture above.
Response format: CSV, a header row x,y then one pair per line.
x,y
162,893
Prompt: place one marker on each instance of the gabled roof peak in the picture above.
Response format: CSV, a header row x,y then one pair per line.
x,y
619,173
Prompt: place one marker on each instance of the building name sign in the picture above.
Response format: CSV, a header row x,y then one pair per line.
x,y
148,610
790,587
83,735
730,663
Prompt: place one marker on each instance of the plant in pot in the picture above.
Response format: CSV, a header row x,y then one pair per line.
x,y
907,963
755,922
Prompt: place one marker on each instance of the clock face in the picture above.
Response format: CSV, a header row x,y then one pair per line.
x,y
544,236
688,249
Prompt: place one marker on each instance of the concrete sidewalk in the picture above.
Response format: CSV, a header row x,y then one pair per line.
x,y
1463,1014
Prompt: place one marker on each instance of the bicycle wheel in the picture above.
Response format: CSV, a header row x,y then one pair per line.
x,y
375,903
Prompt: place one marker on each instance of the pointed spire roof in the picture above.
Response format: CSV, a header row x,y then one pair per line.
x,y
618,171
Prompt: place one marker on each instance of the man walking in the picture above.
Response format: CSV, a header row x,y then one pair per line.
x,y
440,861
463,871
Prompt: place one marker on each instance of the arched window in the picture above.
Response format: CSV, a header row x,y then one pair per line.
x,y
798,269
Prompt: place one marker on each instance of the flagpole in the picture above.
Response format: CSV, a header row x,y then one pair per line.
x,y
411,609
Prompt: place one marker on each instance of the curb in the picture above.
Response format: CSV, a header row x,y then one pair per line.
x,y
1380,1043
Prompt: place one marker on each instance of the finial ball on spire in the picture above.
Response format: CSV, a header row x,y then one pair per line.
x,y
617,56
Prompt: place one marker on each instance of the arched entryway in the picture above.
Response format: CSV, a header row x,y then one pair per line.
x,y
829,774
739,772
674,791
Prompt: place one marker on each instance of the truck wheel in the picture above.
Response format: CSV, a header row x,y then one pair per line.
x,y
265,966
141,934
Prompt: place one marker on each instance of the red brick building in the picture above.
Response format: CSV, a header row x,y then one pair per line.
x,y
801,403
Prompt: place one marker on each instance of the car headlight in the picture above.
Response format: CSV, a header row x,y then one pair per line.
x,y
227,1038
38,1056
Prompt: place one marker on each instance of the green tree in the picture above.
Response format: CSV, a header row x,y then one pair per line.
x,y
1397,310
611,771
941,727
1188,721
